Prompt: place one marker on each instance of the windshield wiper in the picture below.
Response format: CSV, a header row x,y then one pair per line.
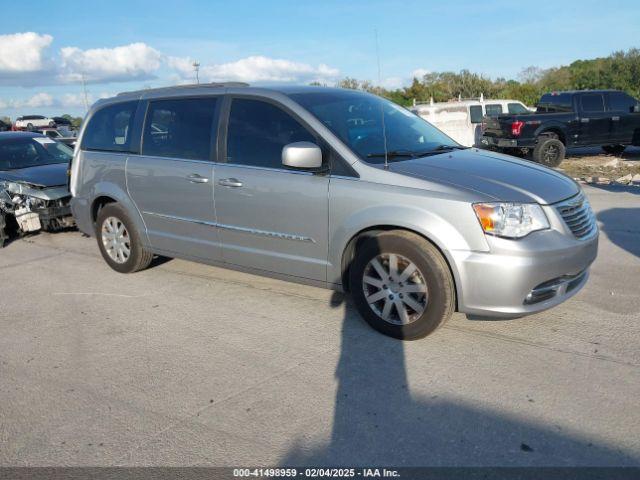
x,y
393,154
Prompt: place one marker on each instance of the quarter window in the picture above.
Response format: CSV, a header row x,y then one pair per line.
x,y
258,131
110,129
179,128
592,103
493,110
475,113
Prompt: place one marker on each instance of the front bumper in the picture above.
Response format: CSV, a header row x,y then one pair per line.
x,y
497,142
525,276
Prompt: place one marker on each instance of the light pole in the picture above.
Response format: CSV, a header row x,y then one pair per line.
x,y
196,68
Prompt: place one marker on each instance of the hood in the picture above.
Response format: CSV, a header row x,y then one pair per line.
x,y
53,175
501,177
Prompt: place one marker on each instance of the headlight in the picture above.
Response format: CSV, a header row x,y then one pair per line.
x,y
511,220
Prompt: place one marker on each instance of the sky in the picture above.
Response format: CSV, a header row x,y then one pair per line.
x,y
48,48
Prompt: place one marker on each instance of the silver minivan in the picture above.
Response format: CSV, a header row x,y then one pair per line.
x,y
336,188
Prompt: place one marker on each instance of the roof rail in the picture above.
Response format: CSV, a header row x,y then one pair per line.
x,y
191,85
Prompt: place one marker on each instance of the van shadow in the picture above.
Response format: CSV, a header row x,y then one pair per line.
x,y
377,421
622,227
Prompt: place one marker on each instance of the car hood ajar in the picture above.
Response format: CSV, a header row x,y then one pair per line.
x,y
43,176
501,177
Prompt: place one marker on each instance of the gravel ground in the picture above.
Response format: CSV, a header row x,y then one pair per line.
x,y
592,162
185,364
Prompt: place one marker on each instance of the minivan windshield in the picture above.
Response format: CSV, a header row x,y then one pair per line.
x,y
357,119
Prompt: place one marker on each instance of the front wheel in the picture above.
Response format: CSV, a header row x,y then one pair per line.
x,y
119,241
613,149
401,285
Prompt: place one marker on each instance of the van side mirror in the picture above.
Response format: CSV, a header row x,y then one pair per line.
x,y
305,155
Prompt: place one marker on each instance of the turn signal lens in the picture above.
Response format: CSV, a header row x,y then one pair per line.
x,y
510,220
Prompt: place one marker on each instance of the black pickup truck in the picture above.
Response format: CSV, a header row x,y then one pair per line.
x,y
606,118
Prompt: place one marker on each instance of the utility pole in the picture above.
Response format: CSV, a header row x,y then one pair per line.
x,y
84,89
196,68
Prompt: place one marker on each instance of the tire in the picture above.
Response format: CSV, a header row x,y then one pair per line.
x,y
30,127
432,271
110,218
52,124
613,149
549,151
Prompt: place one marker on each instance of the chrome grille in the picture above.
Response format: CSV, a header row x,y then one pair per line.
x,y
578,216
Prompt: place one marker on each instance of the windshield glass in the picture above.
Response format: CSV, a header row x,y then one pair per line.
x,y
28,152
357,119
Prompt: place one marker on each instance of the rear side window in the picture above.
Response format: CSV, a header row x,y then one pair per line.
x,y
516,108
493,110
258,131
475,113
180,128
593,102
621,102
555,103
110,129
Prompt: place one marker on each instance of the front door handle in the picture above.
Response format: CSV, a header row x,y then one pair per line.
x,y
615,119
230,182
195,178
584,120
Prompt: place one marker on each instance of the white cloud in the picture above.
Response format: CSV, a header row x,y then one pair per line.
x,y
129,62
45,100
419,73
254,69
23,52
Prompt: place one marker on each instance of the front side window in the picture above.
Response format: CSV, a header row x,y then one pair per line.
x,y
592,103
494,109
110,128
621,102
475,113
372,126
29,152
180,128
258,131
517,108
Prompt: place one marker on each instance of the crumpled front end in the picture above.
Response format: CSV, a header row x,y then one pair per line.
x,y
34,208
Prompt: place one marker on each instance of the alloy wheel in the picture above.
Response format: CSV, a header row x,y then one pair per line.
x,y
395,289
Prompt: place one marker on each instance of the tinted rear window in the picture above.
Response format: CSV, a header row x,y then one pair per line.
x,y
110,129
180,128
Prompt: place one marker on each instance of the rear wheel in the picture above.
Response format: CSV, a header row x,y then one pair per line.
x,y
402,285
613,149
119,241
30,127
549,151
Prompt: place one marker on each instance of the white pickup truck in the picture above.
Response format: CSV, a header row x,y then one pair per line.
x,y
31,122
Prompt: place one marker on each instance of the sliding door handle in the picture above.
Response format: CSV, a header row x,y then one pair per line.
x,y
230,182
195,178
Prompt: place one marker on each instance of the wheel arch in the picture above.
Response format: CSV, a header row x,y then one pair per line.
x,y
553,130
352,245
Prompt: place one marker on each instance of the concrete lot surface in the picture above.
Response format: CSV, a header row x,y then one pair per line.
x,y
185,364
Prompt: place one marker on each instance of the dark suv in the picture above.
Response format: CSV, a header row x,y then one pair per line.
x,y
607,118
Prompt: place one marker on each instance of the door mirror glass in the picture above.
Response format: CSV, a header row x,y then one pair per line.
x,y
302,155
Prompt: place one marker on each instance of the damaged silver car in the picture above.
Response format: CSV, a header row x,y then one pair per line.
x,y
34,192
